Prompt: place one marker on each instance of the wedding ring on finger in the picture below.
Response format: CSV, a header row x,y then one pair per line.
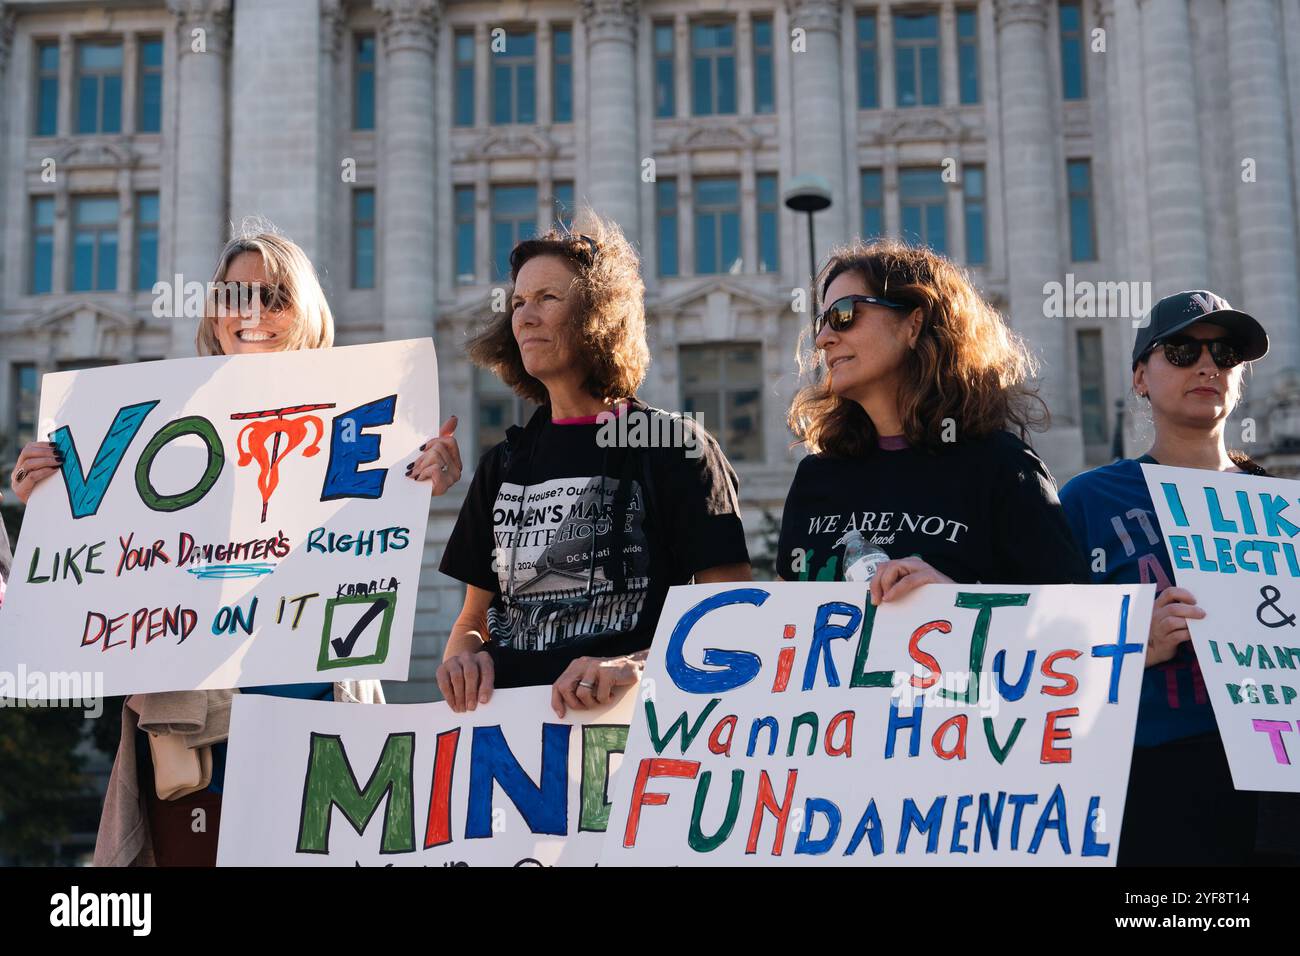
x,y
587,684
19,476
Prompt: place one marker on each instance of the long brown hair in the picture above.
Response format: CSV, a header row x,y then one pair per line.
x,y
608,325
967,367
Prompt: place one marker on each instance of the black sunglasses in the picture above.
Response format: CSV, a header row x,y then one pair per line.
x,y
234,297
1184,351
839,315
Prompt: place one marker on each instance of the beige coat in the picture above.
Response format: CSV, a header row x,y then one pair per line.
x,y
204,718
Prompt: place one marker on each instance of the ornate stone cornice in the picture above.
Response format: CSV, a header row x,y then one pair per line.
x,y
1021,11
408,24
815,14
609,19
210,15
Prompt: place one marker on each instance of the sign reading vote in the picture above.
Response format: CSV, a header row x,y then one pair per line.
x,y
1232,543
963,725
315,783
225,522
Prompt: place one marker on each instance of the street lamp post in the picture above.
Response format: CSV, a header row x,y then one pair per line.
x,y
809,194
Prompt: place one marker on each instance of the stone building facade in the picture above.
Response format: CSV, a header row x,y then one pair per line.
x,y
405,143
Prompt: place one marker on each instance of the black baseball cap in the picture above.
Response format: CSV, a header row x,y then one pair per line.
x,y
1182,310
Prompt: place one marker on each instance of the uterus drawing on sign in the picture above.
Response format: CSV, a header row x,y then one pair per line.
x,y
275,425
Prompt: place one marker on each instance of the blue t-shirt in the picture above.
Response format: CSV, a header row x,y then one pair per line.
x,y
1110,509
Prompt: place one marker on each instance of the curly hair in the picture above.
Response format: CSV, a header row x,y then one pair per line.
x,y
967,365
608,329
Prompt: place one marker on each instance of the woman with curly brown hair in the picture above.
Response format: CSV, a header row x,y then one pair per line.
x,y
914,476
567,541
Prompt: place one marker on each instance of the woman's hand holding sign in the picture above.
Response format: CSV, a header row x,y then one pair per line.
x,y
895,579
1173,609
590,681
36,462
440,461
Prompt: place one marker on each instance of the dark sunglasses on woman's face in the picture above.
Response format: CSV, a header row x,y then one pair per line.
x,y
235,297
839,315
1184,351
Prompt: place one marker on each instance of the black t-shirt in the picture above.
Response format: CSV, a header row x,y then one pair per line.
x,y
979,511
554,600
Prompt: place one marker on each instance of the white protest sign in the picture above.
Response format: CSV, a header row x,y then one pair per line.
x,y
225,522
793,723
1231,540
314,783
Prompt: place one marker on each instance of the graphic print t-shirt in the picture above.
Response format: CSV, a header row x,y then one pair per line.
x,y
1110,508
526,533
979,511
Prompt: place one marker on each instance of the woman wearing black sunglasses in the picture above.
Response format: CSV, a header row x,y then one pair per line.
x,y
914,476
1188,365
567,544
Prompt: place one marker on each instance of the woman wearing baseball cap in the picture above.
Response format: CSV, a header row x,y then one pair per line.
x,y
1189,363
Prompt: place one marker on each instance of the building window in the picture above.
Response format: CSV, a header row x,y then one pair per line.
x,y
973,203
1072,81
768,230
916,59
363,238
868,63
666,225
1092,390
363,82
873,204
464,78
923,204
562,74
146,240
47,88
562,206
665,100
764,77
514,219
99,87
497,407
42,251
717,225
465,235
713,68
149,107
1083,233
968,55
723,384
94,244
26,405
514,76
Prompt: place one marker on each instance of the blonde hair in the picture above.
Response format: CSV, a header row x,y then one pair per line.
x,y
608,330
289,269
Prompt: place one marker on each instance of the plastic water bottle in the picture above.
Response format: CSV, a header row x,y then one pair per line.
x,y
861,558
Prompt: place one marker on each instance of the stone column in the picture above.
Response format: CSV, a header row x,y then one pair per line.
x,y
1032,180
1179,244
406,175
1266,226
611,82
819,118
201,150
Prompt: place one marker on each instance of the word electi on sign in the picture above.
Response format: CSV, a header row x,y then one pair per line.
x,y
343,475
